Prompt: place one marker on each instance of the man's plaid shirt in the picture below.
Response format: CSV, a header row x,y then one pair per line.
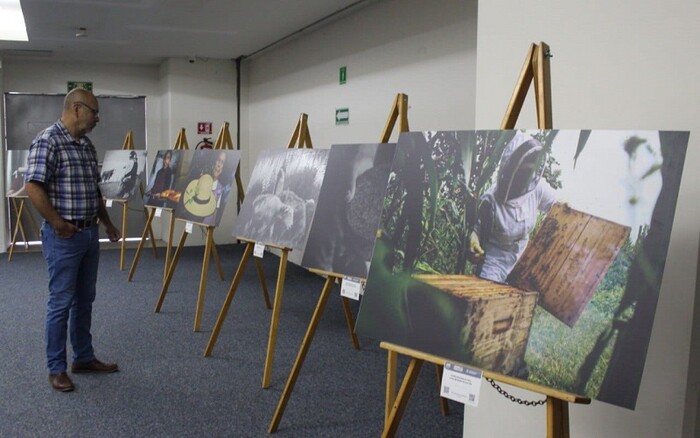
x,y
68,170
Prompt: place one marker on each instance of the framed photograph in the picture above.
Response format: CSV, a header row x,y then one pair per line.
x,y
16,169
345,224
167,170
123,172
281,198
534,254
206,185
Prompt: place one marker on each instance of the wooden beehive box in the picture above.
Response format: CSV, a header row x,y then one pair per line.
x,y
493,319
566,260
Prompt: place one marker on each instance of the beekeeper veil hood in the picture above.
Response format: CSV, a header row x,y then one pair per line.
x,y
521,167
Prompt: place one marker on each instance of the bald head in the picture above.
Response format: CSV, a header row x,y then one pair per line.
x,y
80,112
76,95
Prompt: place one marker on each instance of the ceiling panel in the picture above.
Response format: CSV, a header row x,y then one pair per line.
x,y
146,32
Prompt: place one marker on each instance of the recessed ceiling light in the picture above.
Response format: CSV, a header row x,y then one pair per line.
x,y
12,27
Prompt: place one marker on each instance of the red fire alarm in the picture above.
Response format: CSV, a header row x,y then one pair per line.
x,y
203,127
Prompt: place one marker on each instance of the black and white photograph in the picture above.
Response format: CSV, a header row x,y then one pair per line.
x,y
160,191
345,225
16,167
123,172
281,197
205,186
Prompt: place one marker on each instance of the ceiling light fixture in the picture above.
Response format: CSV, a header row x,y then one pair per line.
x,y
12,27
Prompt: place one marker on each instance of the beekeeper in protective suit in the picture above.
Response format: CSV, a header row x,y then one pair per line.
x,y
508,210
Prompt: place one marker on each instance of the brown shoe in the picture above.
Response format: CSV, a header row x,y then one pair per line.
x,y
94,366
61,382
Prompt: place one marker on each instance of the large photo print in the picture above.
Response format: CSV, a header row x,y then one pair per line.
x,y
534,254
281,198
166,172
123,173
345,224
205,186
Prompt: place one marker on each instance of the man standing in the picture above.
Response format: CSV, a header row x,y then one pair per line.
x,y
62,184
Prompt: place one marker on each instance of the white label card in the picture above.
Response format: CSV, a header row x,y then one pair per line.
x,y
259,250
352,288
461,384
188,227
158,212
108,203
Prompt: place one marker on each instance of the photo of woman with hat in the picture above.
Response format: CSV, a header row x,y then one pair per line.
x,y
207,186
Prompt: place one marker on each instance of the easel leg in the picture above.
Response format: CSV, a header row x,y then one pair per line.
x,y
141,243
18,218
227,301
397,410
203,278
22,232
215,253
150,232
275,319
351,323
125,209
301,355
391,360
168,249
171,269
444,408
261,276
557,418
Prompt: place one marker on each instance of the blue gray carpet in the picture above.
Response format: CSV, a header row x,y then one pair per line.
x,y
166,387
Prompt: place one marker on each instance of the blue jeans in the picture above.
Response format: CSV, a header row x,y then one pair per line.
x,y
72,265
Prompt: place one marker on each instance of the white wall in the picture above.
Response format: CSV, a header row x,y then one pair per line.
x,y
426,50
623,64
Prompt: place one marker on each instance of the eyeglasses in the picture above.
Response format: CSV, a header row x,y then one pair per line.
x,y
94,111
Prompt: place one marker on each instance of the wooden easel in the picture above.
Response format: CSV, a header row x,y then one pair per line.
x,y
128,145
18,203
223,142
180,144
209,248
535,68
399,111
300,138
557,409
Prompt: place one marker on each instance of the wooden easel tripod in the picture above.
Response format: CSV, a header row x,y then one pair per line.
x,y
180,144
300,138
535,69
129,145
18,204
399,112
223,142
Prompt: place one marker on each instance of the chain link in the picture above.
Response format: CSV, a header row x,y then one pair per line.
x,y
520,401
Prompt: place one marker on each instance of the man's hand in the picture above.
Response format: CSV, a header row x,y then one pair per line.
x,y
64,229
113,232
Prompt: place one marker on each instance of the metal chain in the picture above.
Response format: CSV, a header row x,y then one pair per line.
x,y
520,401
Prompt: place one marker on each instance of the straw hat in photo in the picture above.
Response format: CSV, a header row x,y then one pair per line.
x,y
198,198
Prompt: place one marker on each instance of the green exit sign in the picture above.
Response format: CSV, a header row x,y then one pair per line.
x,y
79,84
342,116
343,76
